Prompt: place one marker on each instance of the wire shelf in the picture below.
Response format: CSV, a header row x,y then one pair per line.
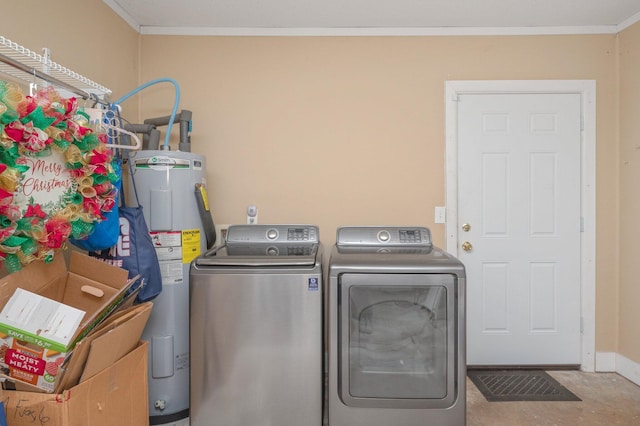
x,y
26,65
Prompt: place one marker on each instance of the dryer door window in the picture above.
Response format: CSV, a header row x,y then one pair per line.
x,y
397,342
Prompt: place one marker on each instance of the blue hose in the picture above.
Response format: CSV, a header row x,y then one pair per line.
x,y
175,104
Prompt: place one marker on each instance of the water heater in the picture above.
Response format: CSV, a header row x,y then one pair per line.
x,y
170,188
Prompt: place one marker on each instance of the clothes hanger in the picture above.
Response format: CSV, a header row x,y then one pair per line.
x,y
109,125
111,128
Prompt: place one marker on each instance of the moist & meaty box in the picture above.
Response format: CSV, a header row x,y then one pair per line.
x,y
46,308
116,396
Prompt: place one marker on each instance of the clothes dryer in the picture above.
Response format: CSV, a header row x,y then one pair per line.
x,y
256,329
396,330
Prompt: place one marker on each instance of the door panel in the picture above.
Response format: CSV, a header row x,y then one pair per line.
x,y
519,190
397,345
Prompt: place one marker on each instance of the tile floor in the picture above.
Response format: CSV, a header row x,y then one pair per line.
x,y
607,399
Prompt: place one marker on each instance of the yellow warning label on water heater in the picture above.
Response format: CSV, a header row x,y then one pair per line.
x,y
190,244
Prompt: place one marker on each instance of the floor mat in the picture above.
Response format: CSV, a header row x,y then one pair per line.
x,y
519,385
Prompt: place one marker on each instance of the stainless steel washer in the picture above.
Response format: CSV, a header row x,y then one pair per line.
x,y
396,327
256,329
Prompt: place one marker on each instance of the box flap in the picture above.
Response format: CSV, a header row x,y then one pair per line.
x,y
46,279
115,396
87,295
114,344
123,315
97,270
92,284
78,357
109,306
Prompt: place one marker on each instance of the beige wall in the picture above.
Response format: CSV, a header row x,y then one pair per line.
x,y
629,159
341,131
350,130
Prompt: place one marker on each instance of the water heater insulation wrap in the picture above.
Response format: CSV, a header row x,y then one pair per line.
x,y
165,183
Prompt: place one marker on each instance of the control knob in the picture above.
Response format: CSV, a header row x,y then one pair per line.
x,y
384,236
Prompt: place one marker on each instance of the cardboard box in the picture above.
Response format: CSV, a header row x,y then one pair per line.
x,y
113,339
117,395
89,285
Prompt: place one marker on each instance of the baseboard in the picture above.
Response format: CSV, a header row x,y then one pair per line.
x,y
627,368
611,362
605,362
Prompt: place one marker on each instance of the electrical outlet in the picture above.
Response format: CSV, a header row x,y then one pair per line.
x,y
252,214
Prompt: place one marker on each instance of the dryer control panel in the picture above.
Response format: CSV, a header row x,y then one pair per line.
x,y
239,234
363,236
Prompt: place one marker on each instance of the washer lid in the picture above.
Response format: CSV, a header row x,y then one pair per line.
x,y
265,245
273,234
260,254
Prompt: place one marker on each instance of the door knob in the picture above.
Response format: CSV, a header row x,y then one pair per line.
x,y
466,246
466,227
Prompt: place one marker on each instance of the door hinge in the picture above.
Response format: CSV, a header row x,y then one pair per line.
x,y
581,224
581,325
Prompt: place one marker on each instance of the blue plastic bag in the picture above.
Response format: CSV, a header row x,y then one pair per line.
x,y
135,252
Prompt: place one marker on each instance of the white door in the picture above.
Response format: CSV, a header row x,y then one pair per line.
x,y
519,185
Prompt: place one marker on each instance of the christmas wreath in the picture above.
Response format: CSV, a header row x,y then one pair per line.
x,y
57,175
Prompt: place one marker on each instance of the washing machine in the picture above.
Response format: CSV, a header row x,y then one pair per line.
x,y
256,326
396,330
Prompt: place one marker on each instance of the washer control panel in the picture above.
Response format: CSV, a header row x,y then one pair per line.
x,y
272,234
383,236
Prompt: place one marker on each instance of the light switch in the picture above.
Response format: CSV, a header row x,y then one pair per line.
x,y
440,214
